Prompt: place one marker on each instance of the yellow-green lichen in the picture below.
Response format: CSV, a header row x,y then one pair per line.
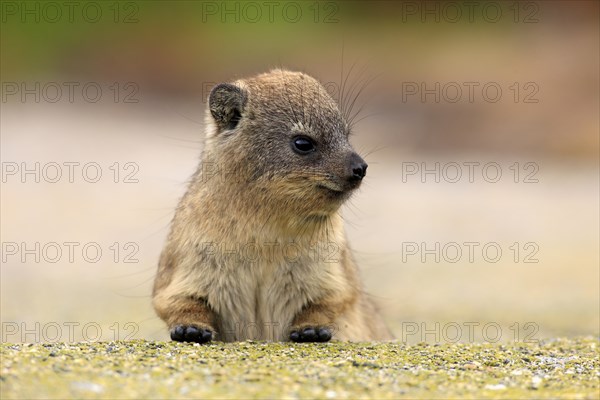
x,y
559,368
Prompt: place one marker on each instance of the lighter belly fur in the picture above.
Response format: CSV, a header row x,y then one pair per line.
x,y
257,301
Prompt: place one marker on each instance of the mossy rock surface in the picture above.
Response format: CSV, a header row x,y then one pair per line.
x,y
557,368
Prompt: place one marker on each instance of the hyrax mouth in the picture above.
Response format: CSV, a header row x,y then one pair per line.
x,y
332,190
337,192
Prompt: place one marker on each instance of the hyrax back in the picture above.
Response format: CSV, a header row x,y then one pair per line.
x,y
257,248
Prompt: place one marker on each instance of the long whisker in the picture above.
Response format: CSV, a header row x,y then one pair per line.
x,y
339,94
302,103
364,86
357,83
373,114
376,149
288,97
343,95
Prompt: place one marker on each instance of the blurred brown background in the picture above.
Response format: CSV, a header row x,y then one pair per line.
x,y
509,86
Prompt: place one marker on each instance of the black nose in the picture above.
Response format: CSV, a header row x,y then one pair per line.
x,y
358,168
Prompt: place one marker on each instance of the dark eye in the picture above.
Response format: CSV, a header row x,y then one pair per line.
x,y
303,145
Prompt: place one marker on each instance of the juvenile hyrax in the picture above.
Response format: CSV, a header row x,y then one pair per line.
x,y
257,248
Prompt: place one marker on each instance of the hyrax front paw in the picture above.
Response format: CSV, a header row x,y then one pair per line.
x,y
191,333
310,334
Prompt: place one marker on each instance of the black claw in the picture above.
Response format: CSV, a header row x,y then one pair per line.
x,y
311,334
190,333
178,333
206,336
295,336
324,335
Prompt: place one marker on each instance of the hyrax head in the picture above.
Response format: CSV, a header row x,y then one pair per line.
x,y
282,135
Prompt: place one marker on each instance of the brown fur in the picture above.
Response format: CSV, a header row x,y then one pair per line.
x,y
257,248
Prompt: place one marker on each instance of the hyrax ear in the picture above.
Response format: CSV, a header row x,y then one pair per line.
x,y
226,103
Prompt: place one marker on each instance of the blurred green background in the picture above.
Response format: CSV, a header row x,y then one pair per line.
x,y
166,55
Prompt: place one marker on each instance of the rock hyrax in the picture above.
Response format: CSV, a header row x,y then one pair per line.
x,y
257,248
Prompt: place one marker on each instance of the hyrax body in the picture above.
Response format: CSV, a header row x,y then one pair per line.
x,y
257,248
